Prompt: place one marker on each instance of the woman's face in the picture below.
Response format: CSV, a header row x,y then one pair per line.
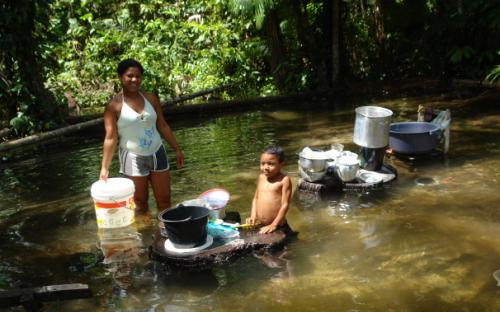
x,y
131,79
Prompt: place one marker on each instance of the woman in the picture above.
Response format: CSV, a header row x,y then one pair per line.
x,y
136,120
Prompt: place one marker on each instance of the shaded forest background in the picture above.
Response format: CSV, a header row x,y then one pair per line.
x,y
55,53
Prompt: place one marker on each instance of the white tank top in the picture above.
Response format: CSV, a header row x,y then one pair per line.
x,y
137,131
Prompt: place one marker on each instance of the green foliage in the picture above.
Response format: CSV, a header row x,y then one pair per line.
x,y
257,8
185,46
22,124
360,44
494,74
191,45
462,54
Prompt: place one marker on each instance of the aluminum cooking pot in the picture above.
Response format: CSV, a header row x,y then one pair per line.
x,y
371,128
313,160
346,168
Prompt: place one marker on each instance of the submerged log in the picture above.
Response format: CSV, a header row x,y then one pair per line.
x,y
167,109
44,136
30,296
218,254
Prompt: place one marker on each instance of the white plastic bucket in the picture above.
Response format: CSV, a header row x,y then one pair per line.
x,y
114,202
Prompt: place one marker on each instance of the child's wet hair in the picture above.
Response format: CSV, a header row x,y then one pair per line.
x,y
275,150
126,64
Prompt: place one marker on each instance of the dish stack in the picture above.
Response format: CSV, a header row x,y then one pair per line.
x,y
315,165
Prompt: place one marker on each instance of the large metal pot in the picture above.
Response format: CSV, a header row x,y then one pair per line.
x,y
371,128
413,138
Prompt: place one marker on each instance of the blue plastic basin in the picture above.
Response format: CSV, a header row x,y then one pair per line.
x,y
413,138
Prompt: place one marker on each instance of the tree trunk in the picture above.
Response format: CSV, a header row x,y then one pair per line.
x,y
378,18
310,48
362,7
336,31
10,109
21,50
277,57
379,22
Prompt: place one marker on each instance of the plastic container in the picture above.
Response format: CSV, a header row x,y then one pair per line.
x,y
113,202
186,226
413,138
217,200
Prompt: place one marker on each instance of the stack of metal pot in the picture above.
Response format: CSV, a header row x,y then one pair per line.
x,y
371,133
313,164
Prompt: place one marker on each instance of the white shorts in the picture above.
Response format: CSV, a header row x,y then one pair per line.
x,y
134,165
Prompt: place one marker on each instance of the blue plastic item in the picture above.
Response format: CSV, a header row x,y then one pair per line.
x,y
221,231
413,138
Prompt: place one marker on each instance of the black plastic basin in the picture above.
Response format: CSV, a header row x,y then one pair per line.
x,y
186,226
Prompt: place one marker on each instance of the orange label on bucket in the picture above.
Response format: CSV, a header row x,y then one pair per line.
x,y
111,205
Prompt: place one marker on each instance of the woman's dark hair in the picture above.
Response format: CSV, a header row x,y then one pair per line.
x,y
275,150
126,64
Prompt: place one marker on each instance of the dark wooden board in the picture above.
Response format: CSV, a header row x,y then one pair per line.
x,y
219,253
332,184
26,296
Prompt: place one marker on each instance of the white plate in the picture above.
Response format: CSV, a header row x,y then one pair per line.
x,y
370,177
187,251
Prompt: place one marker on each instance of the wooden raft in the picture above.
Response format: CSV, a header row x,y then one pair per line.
x,y
219,253
333,184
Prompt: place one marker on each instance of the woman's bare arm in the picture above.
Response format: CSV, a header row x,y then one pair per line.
x,y
165,130
110,138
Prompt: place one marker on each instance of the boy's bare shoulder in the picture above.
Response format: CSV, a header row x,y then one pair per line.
x,y
286,179
261,178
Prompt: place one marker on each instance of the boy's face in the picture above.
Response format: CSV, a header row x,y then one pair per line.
x,y
270,165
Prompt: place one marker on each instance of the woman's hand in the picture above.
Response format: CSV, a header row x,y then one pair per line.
x,y
104,174
179,157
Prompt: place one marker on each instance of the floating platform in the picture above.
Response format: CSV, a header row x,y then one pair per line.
x,y
219,253
331,183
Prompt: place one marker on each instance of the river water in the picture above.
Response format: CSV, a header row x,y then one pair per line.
x,y
405,247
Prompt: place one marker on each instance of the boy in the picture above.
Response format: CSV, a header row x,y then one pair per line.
x,y
272,196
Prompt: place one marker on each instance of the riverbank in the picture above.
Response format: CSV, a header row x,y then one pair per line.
x,y
458,95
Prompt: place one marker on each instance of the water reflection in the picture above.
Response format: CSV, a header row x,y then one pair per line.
x,y
121,248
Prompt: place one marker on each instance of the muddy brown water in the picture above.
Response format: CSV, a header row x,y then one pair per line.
x,y
406,247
